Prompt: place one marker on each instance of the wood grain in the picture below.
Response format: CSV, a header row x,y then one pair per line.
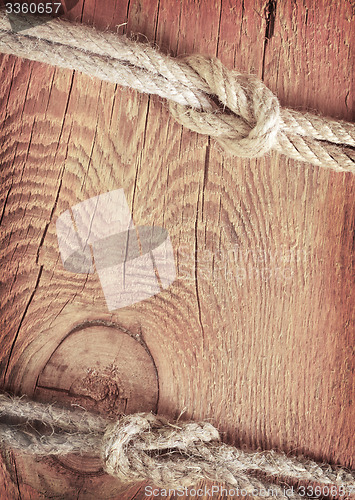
x,y
256,334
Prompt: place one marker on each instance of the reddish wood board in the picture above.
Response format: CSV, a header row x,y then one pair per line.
x,y
256,334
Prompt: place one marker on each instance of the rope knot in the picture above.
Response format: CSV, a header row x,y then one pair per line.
x,y
147,447
170,455
248,123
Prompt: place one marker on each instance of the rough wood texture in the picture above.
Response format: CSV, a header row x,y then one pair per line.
x,y
257,332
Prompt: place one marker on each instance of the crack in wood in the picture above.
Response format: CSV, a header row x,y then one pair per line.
x,y
196,273
21,322
219,27
270,15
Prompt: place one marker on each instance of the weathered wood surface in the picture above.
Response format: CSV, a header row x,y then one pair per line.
x,y
257,332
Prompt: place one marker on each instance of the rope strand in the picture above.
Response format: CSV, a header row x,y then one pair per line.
x,y
247,122
173,455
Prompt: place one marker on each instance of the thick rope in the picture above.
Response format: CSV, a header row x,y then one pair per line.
x,y
238,110
172,455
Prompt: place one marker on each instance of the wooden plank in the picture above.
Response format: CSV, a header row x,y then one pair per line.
x,y
257,332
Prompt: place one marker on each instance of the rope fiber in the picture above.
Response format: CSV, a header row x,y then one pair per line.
x,y
238,110
174,455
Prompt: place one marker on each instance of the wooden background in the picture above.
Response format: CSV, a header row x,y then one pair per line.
x,y
256,334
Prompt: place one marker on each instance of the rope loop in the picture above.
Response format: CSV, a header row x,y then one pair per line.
x,y
248,123
145,446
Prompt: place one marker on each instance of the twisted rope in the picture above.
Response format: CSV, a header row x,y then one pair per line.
x,y
169,454
238,110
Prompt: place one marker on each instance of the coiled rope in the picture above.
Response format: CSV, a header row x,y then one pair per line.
x,y
238,110
172,455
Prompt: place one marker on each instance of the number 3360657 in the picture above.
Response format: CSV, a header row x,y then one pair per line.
x,y
33,8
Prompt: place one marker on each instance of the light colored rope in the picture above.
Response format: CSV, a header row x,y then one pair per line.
x,y
238,110
172,455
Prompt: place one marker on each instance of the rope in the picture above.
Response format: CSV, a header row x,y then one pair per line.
x,y
172,455
238,110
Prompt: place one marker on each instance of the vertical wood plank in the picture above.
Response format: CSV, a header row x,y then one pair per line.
x,y
257,332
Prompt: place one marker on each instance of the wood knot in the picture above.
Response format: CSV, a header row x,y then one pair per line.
x,y
98,366
103,391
